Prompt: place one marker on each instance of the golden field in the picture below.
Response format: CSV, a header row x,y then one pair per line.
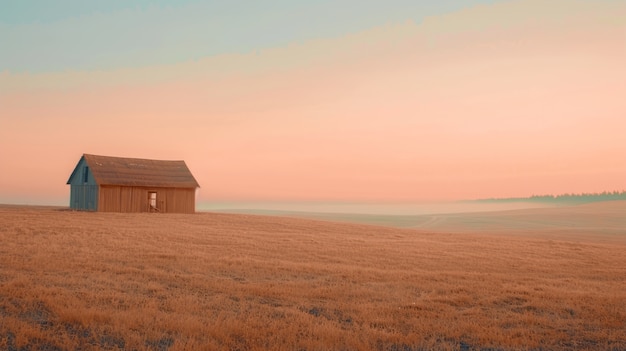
x,y
91,281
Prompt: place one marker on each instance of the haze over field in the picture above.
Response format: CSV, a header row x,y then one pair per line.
x,y
323,102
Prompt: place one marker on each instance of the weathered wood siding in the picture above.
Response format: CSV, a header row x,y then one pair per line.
x,y
83,192
84,197
136,199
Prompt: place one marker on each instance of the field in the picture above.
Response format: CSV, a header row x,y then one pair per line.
x,y
89,281
594,222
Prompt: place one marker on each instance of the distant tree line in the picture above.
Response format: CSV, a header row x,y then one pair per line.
x,y
565,198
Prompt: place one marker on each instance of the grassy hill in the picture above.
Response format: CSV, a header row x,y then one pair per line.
x,y
597,221
92,281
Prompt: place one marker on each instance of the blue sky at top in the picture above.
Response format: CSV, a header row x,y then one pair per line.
x,y
49,36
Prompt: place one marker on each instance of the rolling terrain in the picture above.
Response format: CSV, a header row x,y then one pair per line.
x,y
598,221
107,281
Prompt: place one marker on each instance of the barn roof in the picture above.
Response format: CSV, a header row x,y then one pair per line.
x,y
108,170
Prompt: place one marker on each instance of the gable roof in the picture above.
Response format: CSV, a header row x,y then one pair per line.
x,y
108,170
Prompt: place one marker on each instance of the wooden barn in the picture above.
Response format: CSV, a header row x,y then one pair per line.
x,y
118,184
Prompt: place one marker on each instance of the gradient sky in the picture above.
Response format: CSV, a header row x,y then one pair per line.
x,y
279,100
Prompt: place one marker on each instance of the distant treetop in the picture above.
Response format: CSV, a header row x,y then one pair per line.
x,y
565,198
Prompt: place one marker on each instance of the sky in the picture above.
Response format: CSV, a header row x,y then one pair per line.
x,y
318,101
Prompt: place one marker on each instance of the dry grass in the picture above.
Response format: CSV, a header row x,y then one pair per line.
x,y
72,280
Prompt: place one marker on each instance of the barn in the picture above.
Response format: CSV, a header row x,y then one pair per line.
x,y
119,184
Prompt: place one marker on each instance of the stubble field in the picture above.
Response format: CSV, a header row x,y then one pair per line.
x,y
88,281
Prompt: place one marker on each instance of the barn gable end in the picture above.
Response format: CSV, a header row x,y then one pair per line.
x,y
117,184
83,188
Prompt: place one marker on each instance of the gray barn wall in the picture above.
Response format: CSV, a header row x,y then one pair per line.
x,y
83,195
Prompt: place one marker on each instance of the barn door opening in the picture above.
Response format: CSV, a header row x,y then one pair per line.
x,y
152,201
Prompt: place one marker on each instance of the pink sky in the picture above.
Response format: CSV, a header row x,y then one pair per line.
x,y
512,99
